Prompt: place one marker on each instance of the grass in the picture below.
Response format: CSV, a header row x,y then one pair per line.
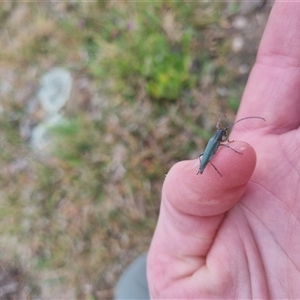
x,y
145,96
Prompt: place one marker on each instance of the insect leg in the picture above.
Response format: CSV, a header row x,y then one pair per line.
x,y
231,148
225,137
216,169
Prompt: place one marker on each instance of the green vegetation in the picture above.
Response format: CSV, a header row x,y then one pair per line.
x,y
145,96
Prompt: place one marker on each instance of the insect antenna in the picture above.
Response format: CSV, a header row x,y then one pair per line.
x,y
254,117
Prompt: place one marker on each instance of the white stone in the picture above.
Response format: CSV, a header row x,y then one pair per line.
x,y
40,135
55,89
240,22
237,44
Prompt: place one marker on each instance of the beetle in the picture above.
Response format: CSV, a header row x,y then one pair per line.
x,y
214,143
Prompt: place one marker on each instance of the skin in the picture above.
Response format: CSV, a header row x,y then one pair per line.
x,y
238,236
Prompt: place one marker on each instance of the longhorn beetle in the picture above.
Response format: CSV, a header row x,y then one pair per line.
x,y
214,143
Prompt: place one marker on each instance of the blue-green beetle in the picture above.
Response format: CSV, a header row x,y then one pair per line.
x,y
214,143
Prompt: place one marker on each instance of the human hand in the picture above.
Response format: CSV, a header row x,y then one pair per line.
x,y
238,236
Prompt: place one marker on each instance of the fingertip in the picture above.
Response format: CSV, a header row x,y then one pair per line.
x,y
236,162
209,193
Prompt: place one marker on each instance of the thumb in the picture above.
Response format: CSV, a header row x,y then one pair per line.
x,y
192,209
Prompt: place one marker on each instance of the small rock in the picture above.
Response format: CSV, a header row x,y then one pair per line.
x,y
41,134
222,91
240,22
237,44
244,69
55,89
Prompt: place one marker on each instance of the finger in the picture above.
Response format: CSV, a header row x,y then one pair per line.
x,y
273,90
192,209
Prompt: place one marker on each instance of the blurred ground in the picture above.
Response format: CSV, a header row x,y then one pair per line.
x,y
148,82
